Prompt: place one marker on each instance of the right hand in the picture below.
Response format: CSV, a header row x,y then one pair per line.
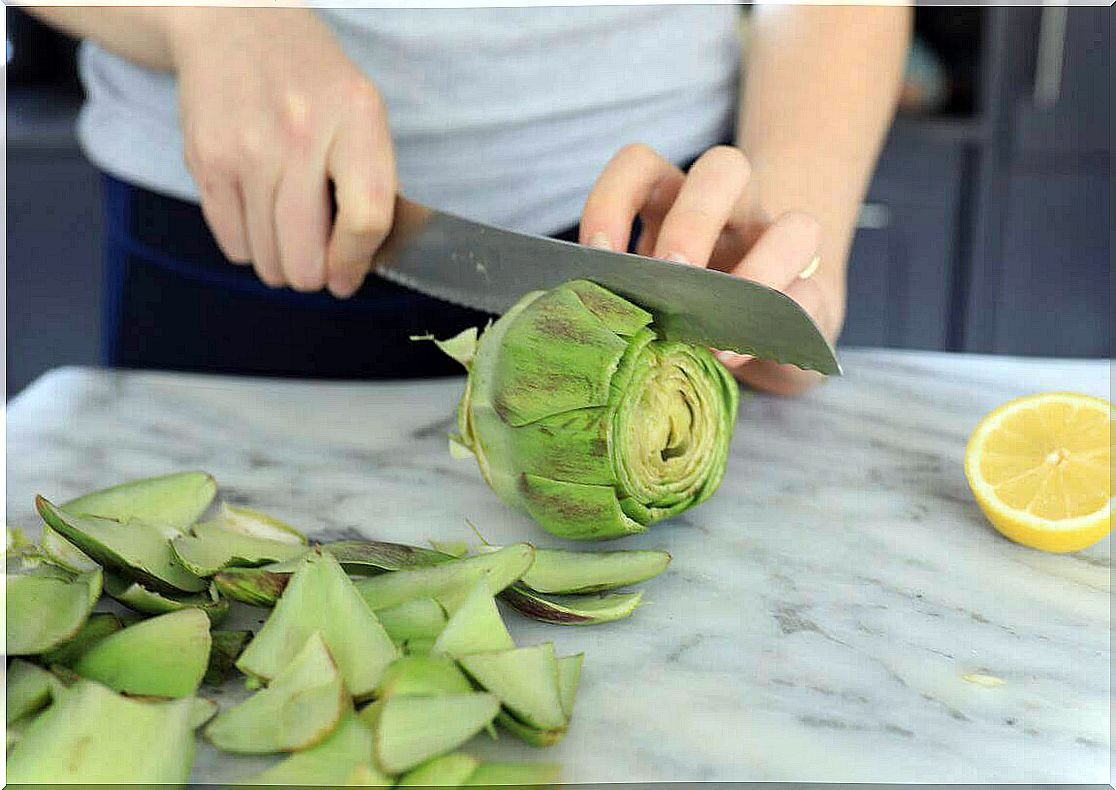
x,y
272,111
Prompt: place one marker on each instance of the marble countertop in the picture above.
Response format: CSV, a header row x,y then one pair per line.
x,y
822,611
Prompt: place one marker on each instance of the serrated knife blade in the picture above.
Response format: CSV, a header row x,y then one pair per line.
x,y
489,269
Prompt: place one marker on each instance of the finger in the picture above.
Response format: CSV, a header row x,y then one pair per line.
x,y
362,167
808,294
302,199
732,360
224,213
627,183
783,252
654,211
707,200
259,210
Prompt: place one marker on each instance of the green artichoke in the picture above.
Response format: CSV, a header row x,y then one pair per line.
x,y
578,414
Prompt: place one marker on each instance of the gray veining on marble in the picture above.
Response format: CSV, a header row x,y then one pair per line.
x,y
821,611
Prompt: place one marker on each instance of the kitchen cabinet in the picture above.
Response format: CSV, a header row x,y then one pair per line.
x,y
1042,281
901,266
998,238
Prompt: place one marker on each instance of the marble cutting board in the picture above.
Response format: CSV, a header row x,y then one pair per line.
x,y
825,613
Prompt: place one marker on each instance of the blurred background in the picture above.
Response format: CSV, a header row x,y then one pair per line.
x,y
987,227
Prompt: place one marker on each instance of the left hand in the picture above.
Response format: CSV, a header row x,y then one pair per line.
x,y
712,217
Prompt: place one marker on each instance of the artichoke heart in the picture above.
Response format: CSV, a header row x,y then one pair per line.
x,y
580,415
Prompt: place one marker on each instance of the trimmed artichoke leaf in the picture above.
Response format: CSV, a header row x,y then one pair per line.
x,y
572,572
521,775
423,676
499,569
165,656
30,688
375,556
65,554
461,347
418,646
97,627
225,649
92,735
449,770
420,618
262,586
524,679
140,599
571,609
201,711
334,761
214,547
476,626
532,736
300,707
569,677
44,611
320,597
408,731
255,524
454,548
134,549
170,503
253,586
18,546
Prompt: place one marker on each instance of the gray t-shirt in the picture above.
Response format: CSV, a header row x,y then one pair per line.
x,y
506,115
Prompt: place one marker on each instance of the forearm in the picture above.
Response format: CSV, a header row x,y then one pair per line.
x,y
140,34
155,36
820,86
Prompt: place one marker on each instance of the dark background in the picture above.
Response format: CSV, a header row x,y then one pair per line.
x,y
987,227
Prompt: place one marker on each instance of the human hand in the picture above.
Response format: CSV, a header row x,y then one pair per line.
x,y
272,111
712,217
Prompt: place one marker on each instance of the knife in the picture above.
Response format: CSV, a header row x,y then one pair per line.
x,y
489,269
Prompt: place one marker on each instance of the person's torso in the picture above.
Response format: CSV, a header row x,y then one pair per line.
x,y
505,114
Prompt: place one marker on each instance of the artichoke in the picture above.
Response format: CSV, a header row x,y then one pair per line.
x,y
580,415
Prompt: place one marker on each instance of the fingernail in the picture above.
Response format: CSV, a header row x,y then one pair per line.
x,y
677,257
600,240
342,287
731,359
811,267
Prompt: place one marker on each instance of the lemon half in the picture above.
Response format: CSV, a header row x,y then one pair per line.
x,y
1041,469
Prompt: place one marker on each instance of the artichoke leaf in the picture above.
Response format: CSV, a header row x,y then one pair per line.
x,y
299,709
97,627
408,730
134,549
140,599
423,676
255,524
44,611
571,609
449,770
320,597
499,569
563,572
475,626
336,761
169,502
164,656
91,735
213,547
525,680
